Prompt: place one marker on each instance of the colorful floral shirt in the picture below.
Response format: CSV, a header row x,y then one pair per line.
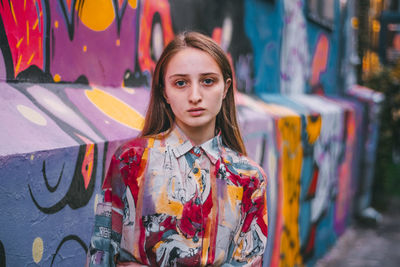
x,y
167,202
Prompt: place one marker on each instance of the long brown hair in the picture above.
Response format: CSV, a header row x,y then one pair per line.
x,y
159,116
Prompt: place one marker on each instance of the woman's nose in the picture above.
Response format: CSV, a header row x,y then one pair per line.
x,y
195,94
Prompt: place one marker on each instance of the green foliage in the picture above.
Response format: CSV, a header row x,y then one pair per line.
x,y
387,173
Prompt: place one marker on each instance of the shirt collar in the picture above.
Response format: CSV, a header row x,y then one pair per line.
x,y
181,144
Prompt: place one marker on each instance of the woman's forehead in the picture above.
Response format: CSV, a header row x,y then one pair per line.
x,y
192,61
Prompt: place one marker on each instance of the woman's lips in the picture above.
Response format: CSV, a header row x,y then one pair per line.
x,y
195,112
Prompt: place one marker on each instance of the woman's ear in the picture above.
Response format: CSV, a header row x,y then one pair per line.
x,y
165,95
228,83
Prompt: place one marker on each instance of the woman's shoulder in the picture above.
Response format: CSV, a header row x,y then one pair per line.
x,y
135,145
243,164
139,144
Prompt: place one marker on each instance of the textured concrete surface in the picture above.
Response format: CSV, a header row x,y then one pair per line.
x,y
365,246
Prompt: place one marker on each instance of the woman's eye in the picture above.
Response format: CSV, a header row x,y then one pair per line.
x,y
180,83
208,81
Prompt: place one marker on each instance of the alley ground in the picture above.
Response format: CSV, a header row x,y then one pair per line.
x,y
362,246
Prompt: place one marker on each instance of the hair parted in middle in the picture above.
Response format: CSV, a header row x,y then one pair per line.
x,y
159,116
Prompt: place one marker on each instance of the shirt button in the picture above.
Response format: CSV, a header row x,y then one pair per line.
x,y
197,150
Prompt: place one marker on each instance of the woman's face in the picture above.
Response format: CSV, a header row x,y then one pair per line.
x,y
195,88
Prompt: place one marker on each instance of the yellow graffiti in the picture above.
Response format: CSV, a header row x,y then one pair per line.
x,y
37,249
30,59
292,159
27,32
313,127
18,63
133,3
57,78
116,108
97,15
289,141
35,25
13,13
19,42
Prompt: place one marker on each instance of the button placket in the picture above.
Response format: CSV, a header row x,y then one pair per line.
x,y
197,172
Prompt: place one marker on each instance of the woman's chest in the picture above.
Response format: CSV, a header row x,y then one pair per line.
x,y
185,212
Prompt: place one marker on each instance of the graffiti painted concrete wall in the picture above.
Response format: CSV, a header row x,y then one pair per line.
x,y
56,144
74,80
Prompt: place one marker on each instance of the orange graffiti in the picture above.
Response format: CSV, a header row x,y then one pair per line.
x,y
345,190
97,15
87,164
320,59
396,42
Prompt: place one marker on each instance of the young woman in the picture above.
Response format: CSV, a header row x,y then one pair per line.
x,y
184,193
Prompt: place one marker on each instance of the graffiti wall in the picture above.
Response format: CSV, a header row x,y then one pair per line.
x,y
60,140
74,85
275,46
76,41
323,38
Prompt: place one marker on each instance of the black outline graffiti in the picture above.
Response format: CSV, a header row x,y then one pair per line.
x,y
34,74
137,78
78,5
77,195
119,13
66,239
49,187
2,255
263,145
156,19
6,51
69,21
46,36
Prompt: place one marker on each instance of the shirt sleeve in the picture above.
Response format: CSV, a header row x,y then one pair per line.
x,y
250,241
105,242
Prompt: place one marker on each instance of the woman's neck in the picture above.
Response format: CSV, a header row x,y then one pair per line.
x,y
198,135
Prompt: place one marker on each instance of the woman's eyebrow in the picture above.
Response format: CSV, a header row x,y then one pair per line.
x,y
208,73
177,75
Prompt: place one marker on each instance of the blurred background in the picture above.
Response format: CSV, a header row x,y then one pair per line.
x,y
378,47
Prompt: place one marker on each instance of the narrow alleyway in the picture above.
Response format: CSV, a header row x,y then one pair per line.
x,y
362,246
